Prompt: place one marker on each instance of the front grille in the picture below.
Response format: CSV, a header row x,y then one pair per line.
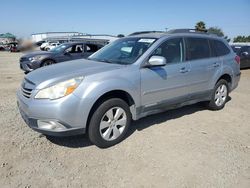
x,y
27,87
26,92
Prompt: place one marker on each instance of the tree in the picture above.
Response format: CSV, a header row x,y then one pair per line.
x,y
200,26
218,31
242,38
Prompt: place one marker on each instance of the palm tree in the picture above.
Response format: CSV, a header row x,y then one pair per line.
x,y
200,26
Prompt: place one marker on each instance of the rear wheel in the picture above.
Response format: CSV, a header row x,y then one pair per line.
x,y
109,123
220,95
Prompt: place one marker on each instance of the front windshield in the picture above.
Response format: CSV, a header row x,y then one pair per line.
x,y
123,51
58,48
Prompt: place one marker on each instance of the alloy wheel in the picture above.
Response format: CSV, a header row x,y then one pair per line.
x,y
113,123
220,95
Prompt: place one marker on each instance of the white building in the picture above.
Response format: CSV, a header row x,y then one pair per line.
x,y
109,38
36,37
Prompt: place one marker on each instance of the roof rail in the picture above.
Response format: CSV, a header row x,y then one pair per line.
x,y
145,32
187,31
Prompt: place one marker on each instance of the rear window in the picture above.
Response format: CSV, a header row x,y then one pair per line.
x,y
220,48
245,49
236,49
197,48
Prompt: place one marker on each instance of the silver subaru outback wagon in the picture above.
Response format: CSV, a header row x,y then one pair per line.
x,y
126,80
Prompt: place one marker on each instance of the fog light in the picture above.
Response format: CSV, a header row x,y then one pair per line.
x,y
50,125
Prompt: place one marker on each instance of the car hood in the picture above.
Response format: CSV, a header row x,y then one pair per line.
x,y
39,53
46,76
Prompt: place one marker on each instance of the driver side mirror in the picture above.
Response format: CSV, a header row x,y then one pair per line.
x,y
156,61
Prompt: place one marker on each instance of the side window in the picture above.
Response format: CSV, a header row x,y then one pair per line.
x,y
221,48
69,50
172,50
74,49
78,48
91,48
197,48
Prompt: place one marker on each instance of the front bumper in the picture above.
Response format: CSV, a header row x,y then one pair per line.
x,y
28,66
60,117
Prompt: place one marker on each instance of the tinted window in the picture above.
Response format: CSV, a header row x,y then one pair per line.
x,y
172,50
236,49
74,49
91,48
197,48
220,48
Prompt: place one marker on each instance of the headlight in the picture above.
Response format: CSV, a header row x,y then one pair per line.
x,y
59,90
35,58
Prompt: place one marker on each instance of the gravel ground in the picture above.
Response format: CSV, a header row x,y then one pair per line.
x,y
187,147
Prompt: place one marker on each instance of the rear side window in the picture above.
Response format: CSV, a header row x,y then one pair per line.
x,y
197,48
91,48
220,48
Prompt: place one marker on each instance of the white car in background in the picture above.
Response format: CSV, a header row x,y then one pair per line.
x,y
43,45
51,46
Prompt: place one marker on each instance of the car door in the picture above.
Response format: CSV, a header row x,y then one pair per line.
x,y
202,65
71,52
166,84
77,51
245,56
64,55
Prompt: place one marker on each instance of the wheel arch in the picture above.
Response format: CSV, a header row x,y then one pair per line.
x,y
121,94
46,59
226,77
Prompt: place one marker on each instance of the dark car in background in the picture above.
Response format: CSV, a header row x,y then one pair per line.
x,y
243,51
64,52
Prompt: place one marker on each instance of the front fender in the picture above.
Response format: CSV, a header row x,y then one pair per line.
x,y
90,91
94,90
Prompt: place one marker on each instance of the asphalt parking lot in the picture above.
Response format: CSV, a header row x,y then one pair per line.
x,y
187,147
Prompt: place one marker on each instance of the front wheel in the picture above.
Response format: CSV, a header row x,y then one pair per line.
x,y
47,63
220,95
109,123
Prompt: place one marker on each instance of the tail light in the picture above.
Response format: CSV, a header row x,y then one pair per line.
x,y
237,59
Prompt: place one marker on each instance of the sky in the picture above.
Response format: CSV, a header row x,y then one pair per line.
x,y
24,17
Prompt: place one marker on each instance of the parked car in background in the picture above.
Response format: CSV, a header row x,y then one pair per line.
x,y
64,52
130,78
2,47
15,48
39,43
51,46
44,45
243,51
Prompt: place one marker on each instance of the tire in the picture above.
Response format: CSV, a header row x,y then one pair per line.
x,y
219,96
113,129
47,63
